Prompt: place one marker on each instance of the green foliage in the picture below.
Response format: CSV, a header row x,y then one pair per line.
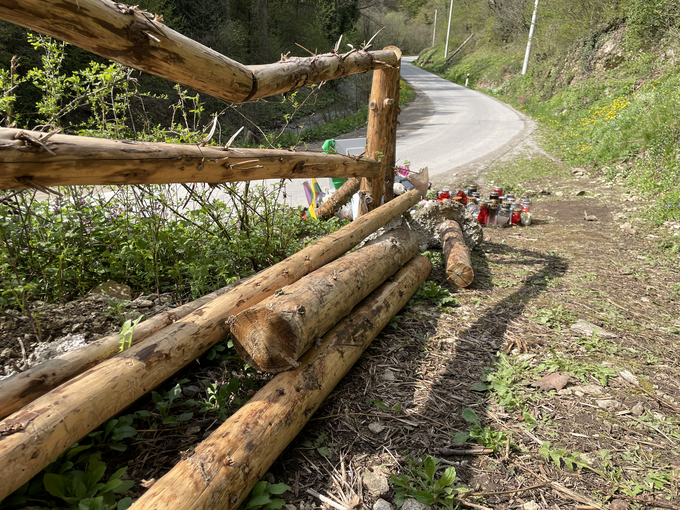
x,y
126,332
503,382
553,317
435,257
558,362
420,482
560,456
164,400
86,490
483,435
260,496
434,292
318,446
222,398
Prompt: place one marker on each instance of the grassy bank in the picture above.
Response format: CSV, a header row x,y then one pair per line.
x,y
616,114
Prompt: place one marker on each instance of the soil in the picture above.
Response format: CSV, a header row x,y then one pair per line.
x,y
405,398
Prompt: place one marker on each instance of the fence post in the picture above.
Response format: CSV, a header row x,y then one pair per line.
x,y
381,136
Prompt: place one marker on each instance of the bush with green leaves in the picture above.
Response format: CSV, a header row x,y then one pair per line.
x,y
261,496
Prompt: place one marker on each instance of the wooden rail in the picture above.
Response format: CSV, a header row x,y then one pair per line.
x,y
138,39
63,160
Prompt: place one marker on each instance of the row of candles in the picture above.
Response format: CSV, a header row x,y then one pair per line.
x,y
499,210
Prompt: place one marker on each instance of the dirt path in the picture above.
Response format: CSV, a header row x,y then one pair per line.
x,y
405,399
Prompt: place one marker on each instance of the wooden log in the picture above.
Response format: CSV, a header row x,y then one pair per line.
x,y
272,335
381,135
456,254
139,39
341,196
79,160
34,436
23,388
223,469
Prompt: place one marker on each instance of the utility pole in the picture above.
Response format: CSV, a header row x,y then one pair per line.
x,y
531,33
448,30
434,30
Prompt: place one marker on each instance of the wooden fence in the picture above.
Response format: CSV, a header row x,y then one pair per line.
x,y
138,39
36,428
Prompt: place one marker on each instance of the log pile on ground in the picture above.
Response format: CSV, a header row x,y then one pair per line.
x,y
223,469
456,254
75,408
275,333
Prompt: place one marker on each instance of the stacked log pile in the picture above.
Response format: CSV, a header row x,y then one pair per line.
x,y
36,434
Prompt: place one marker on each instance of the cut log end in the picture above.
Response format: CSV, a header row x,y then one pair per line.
x,y
272,342
460,274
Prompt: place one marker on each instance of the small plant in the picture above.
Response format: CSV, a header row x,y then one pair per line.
x,y
86,490
503,383
164,400
485,436
116,309
380,405
435,293
575,368
436,257
116,430
560,456
220,397
553,317
421,484
126,332
318,446
260,496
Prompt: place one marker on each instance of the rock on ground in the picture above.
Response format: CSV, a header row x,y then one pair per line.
x,y
381,504
375,483
412,504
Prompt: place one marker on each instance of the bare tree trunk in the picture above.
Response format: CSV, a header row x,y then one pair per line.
x,y
224,468
275,333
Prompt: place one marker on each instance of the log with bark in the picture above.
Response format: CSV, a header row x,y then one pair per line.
x,y
23,388
223,469
341,196
132,37
272,335
34,436
30,157
456,254
381,134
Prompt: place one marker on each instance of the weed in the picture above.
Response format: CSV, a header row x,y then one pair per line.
x,y
435,257
318,446
485,436
260,496
560,456
380,405
126,332
116,309
221,397
575,368
421,484
435,293
596,344
553,317
503,381
164,400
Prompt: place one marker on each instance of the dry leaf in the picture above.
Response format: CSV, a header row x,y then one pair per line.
x,y
554,381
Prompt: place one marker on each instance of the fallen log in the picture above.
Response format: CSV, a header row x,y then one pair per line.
x,y
34,436
223,469
21,389
64,160
272,335
341,196
139,39
456,254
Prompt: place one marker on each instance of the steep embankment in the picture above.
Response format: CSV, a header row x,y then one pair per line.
x,y
607,106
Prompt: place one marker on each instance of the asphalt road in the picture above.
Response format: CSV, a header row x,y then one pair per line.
x,y
465,130
452,130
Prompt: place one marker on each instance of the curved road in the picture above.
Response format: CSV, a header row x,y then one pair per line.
x,y
466,128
